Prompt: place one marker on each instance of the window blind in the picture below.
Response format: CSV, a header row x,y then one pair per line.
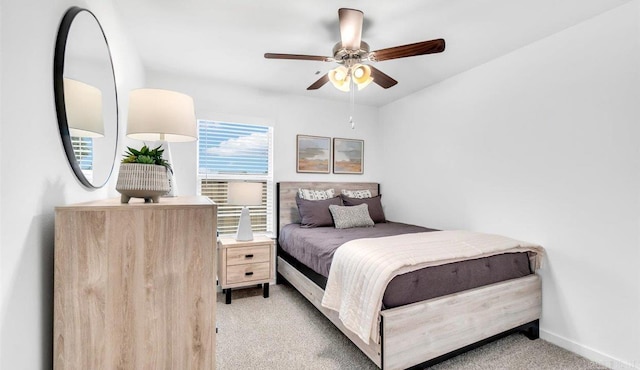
x,y
83,150
236,152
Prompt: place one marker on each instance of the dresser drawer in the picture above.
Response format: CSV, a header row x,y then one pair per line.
x,y
248,272
254,254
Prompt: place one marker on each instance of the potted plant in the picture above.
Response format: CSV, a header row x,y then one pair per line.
x,y
143,174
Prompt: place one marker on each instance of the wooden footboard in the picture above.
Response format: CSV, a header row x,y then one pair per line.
x,y
418,332
423,331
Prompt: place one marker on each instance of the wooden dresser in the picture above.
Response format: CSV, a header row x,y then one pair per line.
x,y
135,285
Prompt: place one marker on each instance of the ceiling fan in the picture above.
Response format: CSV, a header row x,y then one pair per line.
x,y
351,51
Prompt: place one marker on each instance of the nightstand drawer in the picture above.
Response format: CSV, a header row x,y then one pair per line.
x,y
255,254
248,272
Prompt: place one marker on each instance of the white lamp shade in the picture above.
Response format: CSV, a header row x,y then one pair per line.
x,y
83,105
156,114
244,194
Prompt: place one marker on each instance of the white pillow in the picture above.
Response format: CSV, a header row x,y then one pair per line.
x,y
348,217
360,194
310,194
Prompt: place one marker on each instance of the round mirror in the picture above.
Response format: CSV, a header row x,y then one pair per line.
x,y
86,98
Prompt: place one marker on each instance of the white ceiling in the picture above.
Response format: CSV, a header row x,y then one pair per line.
x,y
226,40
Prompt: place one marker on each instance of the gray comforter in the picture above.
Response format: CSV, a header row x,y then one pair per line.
x,y
315,246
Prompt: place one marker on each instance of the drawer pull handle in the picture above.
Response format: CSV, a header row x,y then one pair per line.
x,y
248,273
248,256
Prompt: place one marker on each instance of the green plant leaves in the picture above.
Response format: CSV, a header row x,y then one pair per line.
x,y
146,156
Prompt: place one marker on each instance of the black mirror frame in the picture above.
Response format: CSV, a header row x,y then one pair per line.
x,y
58,86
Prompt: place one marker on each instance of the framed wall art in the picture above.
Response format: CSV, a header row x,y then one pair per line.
x,y
348,156
313,154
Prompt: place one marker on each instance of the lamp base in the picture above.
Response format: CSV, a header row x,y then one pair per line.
x,y
173,185
244,233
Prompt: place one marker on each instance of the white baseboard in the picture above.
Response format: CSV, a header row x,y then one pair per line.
x,y
589,353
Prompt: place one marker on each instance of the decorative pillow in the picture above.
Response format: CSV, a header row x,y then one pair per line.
x,y
315,213
366,193
375,206
310,194
348,217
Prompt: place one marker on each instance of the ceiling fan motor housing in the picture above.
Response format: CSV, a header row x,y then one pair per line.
x,y
342,55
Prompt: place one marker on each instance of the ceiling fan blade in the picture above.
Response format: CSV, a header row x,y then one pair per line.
x,y
296,57
382,78
410,50
318,84
350,27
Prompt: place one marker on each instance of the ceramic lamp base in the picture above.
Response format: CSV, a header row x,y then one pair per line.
x,y
244,226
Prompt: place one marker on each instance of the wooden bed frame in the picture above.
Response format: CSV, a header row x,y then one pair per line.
x,y
431,331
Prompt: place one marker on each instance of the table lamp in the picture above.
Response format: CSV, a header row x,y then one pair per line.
x,y
244,194
162,116
83,104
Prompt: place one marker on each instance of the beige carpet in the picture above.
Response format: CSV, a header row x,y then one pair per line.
x,y
285,331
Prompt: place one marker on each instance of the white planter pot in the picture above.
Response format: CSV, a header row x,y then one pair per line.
x,y
138,180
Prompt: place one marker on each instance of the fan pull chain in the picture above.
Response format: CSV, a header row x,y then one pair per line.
x,y
352,98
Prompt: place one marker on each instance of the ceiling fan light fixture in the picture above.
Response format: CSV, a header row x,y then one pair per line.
x,y
341,73
339,77
361,73
342,85
364,84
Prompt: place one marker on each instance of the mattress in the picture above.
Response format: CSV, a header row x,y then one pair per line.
x,y
311,250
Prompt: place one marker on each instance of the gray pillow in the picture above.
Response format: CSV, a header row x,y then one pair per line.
x,y
348,217
375,206
315,213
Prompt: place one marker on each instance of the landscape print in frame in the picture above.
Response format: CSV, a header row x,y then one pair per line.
x,y
313,154
348,156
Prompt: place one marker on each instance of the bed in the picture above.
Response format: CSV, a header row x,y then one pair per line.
x,y
415,331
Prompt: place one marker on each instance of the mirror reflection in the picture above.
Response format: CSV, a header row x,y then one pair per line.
x,y
86,97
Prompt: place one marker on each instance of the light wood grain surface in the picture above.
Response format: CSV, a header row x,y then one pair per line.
x,y
287,207
441,325
419,332
243,263
135,285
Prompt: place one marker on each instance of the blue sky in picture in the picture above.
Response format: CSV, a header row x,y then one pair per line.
x,y
232,148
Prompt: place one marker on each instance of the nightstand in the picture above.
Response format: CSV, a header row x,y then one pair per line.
x,y
244,263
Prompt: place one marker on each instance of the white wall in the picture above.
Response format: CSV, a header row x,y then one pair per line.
x,y
542,145
288,114
35,173
1,115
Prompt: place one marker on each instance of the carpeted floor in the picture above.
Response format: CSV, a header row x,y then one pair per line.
x,y
285,331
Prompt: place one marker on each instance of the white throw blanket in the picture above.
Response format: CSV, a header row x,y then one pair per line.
x,y
362,268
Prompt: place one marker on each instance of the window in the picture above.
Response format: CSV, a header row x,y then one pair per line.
x,y
236,152
83,150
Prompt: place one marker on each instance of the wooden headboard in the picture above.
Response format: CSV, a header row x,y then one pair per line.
x,y
286,207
